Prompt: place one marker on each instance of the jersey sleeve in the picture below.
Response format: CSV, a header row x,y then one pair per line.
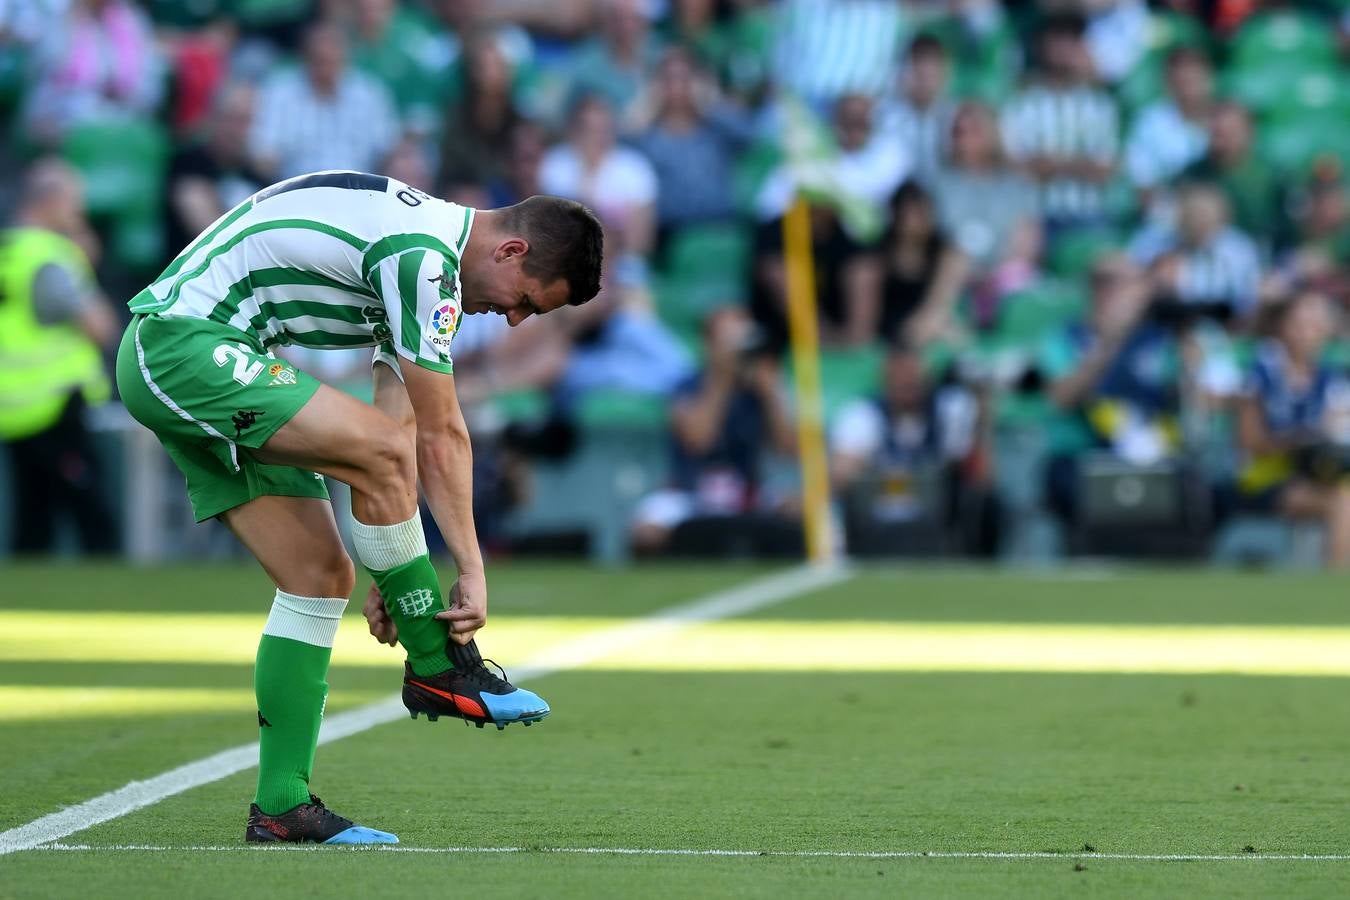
x,y
420,289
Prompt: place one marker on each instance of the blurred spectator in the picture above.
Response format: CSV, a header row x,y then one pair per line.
x,y
98,61
617,64
1063,129
989,209
1113,378
1252,186
1294,425
920,118
326,115
391,41
845,283
52,324
1118,36
911,432
868,166
915,280
692,146
410,163
615,181
618,343
725,421
201,64
475,145
526,146
1171,133
830,48
1321,239
210,176
1202,265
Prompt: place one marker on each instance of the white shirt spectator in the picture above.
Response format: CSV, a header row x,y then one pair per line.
x,y
1161,144
871,173
624,179
353,129
1078,122
1226,269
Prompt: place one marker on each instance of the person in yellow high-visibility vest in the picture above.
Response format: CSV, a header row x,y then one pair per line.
x,y
53,321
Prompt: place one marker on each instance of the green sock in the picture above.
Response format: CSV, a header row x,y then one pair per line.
x,y
290,681
396,557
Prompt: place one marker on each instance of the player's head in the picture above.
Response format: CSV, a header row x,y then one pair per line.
x,y
537,256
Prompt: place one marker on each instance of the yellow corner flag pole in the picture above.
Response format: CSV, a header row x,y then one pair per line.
x,y
805,339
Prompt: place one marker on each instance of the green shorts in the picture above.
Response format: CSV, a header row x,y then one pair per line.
x,y
209,392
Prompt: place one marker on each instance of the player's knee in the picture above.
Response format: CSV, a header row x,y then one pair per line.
x,y
392,461
342,575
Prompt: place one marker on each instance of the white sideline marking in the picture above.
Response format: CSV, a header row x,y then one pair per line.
x,y
800,854
735,601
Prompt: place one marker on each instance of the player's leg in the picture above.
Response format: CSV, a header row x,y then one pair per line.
x,y
296,541
367,450
374,454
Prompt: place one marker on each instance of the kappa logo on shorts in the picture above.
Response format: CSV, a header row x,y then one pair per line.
x,y
245,419
416,603
281,374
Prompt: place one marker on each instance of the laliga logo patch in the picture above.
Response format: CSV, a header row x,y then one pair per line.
x,y
416,603
281,374
443,323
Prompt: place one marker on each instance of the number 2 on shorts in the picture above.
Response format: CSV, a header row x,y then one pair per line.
x,y
244,372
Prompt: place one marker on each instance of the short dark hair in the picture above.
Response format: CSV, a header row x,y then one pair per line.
x,y
566,241
925,44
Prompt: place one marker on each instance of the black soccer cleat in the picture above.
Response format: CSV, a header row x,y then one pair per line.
x,y
470,691
310,823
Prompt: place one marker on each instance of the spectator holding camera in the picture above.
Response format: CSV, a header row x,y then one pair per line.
x,y
1294,424
1113,379
915,429
724,423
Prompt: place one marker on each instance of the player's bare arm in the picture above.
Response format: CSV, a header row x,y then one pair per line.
x,y
445,468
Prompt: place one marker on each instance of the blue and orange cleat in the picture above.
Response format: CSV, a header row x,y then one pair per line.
x,y
310,823
470,691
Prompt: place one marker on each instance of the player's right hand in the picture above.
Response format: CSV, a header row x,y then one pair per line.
x,y
377,618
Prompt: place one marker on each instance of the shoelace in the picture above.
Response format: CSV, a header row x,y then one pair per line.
x,y
483,675
316,802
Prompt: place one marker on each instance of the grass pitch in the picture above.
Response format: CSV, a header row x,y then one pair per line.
x,y
1079,718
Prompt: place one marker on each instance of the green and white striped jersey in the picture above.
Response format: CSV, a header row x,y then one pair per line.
x,y
332,259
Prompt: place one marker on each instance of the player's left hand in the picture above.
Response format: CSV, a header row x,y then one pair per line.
x,y
468,608
377,618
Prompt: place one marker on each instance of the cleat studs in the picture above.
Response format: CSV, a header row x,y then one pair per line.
x,y
432,717
413,714
480,724
501,726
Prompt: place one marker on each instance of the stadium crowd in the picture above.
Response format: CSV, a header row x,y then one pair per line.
x,y
1081,264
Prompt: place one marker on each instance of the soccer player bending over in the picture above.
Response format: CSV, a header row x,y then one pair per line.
x,y
332,260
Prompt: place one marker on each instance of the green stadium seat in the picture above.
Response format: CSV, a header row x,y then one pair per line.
x,y
1073,253
1285,34
709,253
1279,85
522,404
1294,145
621,409
1028,315
845,376
123,165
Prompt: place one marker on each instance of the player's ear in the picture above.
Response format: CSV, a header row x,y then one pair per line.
x,y
511,247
